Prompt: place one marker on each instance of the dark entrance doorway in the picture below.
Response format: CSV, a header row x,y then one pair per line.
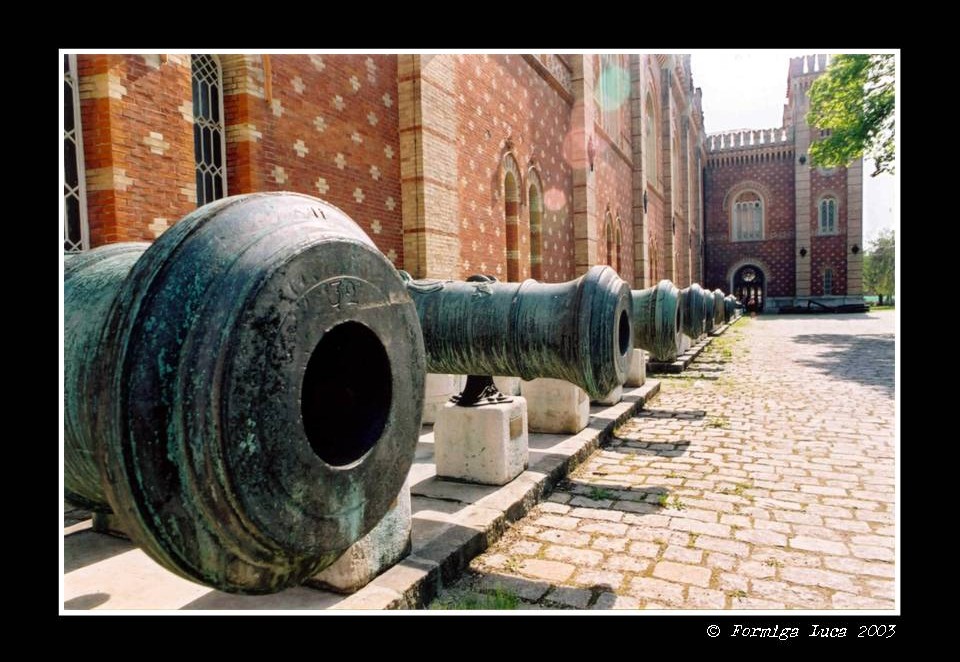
x,y
748,286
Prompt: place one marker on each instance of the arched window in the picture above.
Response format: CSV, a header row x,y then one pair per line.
x,y
535,198
611,91
75,231
511,204
608,233
209,145
618,246
650,144
747,217
827,281
828,216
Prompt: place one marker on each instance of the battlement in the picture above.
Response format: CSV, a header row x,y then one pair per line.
x,y
749,139
806,65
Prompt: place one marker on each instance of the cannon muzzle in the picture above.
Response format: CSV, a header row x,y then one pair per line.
x,y
245,394
692,304
657,319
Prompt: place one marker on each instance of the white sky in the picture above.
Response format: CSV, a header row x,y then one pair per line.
x,y
747,90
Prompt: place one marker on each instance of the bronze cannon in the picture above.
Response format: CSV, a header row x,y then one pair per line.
x,y
718,307
708,319
693,304
730,307
579,331
245,394
657,319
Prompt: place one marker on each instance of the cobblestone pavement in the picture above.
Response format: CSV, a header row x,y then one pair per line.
x,y
763,478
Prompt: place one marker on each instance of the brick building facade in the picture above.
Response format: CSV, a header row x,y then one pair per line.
x,y
514,165
520,166
779,231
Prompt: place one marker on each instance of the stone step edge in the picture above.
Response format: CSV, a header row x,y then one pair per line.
x,y
416,581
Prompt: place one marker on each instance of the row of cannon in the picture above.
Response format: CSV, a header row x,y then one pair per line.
x,y
663,314
245,394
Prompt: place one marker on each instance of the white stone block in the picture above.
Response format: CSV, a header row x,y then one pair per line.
x,y
385,546
555,406
637,374
437,391
507,385
486,444
611,398
685,343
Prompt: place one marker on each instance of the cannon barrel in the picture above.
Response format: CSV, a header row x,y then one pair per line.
x,y
92,280
657,319
718,304
579,331
248,391
707,311
692,306
729,307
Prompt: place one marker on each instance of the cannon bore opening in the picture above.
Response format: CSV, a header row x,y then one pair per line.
x,y
346,394
624,330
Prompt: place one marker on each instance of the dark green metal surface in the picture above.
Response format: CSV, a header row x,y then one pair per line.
x,y
91,282
729,308
579,331
657,319
708,311
692,306
718,304
260,387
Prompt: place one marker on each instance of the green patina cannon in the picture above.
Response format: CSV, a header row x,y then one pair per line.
x,y
708,320
730,305
579,331
718,307
657,319
245,394
692,305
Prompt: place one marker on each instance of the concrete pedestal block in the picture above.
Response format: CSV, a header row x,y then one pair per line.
x,y
684,344
385,546
611,398
507,385
486,444
437,391
556,406
637,374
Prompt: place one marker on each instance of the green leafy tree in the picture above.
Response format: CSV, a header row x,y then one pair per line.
x,y
879,268
854,99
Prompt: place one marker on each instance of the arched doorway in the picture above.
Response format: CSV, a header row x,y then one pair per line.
x,y
748,287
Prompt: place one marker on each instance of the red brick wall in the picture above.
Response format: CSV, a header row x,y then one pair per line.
x,y
322,108
614,193
138,145
777,249
830,250
657,248
500,97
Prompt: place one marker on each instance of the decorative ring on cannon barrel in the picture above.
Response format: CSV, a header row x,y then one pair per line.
x,y
249,390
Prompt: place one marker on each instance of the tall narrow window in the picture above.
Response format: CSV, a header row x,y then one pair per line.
x,y
747,217
650,144
827,281
608,230
828,216
209,146
611,91
618,247
75,232
511,202
536,231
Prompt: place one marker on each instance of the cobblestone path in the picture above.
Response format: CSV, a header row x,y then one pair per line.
x,y
763,478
